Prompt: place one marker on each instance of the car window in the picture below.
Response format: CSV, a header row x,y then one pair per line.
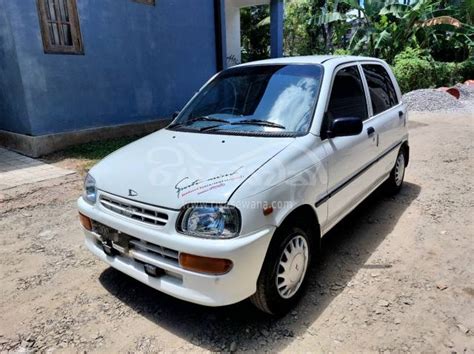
x,y
382,92
347,96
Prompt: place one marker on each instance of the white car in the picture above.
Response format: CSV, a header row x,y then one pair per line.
x,y
231,200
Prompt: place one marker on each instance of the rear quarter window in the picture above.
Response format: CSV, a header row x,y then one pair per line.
x,y
382,91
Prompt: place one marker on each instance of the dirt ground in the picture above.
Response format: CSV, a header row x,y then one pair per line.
x,y
396,275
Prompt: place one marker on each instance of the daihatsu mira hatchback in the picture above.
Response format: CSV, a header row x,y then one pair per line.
x,y
231,200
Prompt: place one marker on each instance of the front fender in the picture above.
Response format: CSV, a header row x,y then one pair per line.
x,y
295,177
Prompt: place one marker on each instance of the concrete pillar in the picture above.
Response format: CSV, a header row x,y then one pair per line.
x,y
232,27
232,23
276,27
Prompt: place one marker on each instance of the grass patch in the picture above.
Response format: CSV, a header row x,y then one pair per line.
x,y
96,150
87,155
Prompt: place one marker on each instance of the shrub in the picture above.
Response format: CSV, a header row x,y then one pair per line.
x,y
466,70
413,69
341,51
416,69
446,74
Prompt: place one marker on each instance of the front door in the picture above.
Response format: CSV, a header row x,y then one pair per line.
x,y
349,180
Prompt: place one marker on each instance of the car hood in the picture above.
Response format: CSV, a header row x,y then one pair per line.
x,y
171,169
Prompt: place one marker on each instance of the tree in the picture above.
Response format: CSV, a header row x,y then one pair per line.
x,y
380,28
255,33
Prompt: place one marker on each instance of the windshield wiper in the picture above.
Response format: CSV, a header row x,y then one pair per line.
x,y
206,119
261,122
180,125
199,119
175,125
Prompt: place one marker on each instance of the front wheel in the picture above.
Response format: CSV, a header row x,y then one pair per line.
x,y
284,273
397,175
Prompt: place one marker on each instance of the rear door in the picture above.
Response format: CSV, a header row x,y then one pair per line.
x,y
387,115
349,155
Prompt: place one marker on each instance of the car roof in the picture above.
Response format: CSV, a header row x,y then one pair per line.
x,y
313,59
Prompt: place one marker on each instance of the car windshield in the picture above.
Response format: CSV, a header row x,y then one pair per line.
x,y
263,99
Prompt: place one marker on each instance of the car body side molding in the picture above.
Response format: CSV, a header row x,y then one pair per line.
x,y
356,175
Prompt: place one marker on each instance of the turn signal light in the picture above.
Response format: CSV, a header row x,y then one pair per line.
x,y
86,222
267,210
214,266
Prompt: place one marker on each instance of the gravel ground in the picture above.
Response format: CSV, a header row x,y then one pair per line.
x,y
396,275
467,91
431,100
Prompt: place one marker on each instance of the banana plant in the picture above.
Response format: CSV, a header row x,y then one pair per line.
x,y
387,27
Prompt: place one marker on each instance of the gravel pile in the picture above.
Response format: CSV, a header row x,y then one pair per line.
x,y
467,91
431,100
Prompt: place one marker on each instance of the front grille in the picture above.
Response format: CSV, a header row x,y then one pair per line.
x,y
135,211
133,247
159,251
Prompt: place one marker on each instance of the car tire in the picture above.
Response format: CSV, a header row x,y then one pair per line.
x,y
395,182
292,246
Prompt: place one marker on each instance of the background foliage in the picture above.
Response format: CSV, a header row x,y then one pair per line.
x,y
256,33
428,42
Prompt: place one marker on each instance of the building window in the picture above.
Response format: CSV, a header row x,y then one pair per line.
x,y
60,28
147,2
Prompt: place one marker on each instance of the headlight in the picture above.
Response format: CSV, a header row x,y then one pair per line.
x,y
218,222
90,190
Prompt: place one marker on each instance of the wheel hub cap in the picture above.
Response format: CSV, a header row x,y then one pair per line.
x,y
292,267
400,169
296,268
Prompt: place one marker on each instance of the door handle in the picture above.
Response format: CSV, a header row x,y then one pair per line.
x,y
400,114
370,131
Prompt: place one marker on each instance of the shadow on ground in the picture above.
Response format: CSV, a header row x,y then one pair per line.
x,y
346,250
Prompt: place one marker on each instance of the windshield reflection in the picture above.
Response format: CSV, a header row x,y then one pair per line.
x,y
263,98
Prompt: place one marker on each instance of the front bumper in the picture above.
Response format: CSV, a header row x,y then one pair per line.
x,y
247,253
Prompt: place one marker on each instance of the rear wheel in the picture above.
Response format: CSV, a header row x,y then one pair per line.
x,y
397,175
284,272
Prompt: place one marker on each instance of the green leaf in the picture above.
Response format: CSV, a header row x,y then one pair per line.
x,y
353,3
384,39
264,22
397,10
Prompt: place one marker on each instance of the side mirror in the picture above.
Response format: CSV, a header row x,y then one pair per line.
x,y
175,114
346,126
